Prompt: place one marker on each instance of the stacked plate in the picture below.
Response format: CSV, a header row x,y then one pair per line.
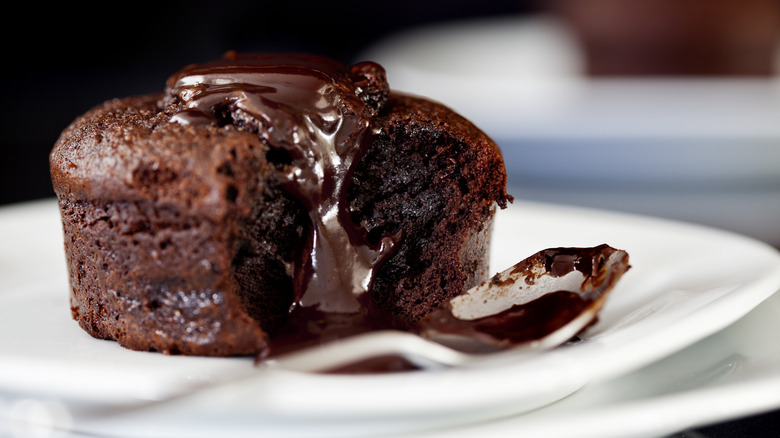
x,y
690,328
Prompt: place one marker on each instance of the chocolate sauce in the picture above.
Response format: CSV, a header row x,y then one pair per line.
x,y
314,113
391,363
533,320
519,324
561,261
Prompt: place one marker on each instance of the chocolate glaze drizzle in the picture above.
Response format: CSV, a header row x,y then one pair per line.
x,y
314,113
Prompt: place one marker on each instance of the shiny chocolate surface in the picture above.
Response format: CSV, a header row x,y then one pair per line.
x,y
314,115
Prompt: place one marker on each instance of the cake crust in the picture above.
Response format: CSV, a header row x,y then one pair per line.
x,y
180,239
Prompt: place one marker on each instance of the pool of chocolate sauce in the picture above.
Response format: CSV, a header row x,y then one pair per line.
x,y
535,319
516,325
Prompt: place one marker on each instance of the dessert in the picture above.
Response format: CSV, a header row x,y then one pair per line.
x,y
268,202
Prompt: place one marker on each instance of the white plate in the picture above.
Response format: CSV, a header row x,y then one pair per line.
x,y
732,374
687,282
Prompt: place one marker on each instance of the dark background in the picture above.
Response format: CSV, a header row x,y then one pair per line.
x,y
60,60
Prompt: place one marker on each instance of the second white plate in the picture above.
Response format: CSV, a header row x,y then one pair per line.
x,y
686,282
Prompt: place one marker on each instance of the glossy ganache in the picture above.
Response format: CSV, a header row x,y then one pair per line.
x,y
314,113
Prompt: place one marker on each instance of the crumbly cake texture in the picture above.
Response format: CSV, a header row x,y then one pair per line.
x,y
178,241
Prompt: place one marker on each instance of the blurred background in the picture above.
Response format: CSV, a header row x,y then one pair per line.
x,y
659,107
668,108
65,58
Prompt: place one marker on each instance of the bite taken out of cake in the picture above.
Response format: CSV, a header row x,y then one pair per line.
x,y
267,202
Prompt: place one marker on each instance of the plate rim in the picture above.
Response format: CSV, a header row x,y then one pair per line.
x,y
771,280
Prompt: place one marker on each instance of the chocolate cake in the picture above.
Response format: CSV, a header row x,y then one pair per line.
x,y
268,202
